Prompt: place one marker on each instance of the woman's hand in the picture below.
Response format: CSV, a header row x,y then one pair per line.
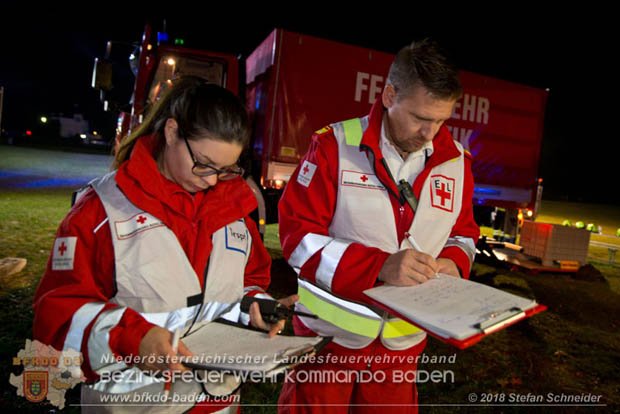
x,y
157,344
256,319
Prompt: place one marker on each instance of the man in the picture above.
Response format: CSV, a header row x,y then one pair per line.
x,y
344,220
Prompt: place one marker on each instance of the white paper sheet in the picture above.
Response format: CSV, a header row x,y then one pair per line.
x,y
224,346
448,306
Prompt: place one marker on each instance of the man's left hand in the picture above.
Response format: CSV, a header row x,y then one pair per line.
x,y
256,319
448,267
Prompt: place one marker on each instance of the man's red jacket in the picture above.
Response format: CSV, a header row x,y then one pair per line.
x,y
302,211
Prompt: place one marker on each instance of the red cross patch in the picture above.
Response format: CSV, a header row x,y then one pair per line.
x,y
64,253
306,173
442,192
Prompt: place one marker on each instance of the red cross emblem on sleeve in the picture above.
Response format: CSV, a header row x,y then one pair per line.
x,y
141,219
63,253
442,192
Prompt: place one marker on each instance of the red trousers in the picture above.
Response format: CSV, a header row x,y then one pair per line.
x,y
373,379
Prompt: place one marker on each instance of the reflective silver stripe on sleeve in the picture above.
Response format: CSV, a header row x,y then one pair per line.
x,y
310,244
466,244
81,319
235,315
263,296
99,353
179,318
100,224
248,289
173,320
330,257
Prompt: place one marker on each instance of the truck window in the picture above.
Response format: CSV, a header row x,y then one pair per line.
x,y
171,67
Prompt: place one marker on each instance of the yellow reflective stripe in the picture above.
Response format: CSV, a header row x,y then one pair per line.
x,y
398,328
353,131
347,321
322,130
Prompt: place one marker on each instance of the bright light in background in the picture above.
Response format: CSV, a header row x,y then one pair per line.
x,y
530,213
94,132
83,136
44,120
171,62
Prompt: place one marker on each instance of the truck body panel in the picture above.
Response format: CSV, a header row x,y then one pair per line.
x,y
297,84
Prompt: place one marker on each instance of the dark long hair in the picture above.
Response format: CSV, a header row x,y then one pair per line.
x,y
199,108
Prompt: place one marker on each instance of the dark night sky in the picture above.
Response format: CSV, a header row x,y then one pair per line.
x,y
46,65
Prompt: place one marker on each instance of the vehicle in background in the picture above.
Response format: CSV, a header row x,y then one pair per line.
x,y
296,84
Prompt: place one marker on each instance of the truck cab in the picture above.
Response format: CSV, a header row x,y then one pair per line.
x,y
155,63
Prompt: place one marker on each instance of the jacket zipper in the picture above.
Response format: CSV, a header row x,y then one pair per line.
x,y
401,200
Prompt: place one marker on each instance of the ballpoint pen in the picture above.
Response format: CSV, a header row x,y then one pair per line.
x,y
413,244
175,345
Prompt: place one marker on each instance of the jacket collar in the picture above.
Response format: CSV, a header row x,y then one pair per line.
x,y
444,149
140,180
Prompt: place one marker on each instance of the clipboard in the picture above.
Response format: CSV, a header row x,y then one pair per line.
x,y
474,339
284,352
486,323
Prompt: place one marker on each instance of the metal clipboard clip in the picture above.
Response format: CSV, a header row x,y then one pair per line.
x,y
498,320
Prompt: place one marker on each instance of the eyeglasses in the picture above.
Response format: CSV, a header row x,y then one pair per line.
x,y
205,170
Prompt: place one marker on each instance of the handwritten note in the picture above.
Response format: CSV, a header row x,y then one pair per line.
x,y
448,306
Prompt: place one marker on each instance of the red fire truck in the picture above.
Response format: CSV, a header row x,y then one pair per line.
x,y
296,84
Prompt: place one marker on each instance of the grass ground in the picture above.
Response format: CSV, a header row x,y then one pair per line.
x,y
573,348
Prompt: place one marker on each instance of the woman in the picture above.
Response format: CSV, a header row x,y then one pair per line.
x,y
160,244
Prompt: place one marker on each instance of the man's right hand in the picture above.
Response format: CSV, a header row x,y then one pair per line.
x,y
408,268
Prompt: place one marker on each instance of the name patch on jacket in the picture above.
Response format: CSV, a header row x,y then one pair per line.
x,y
136,224
361,180
442,192
64,253
306,173
237,237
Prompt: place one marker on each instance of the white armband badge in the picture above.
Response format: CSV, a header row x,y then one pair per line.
x,y
306,173
64,253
